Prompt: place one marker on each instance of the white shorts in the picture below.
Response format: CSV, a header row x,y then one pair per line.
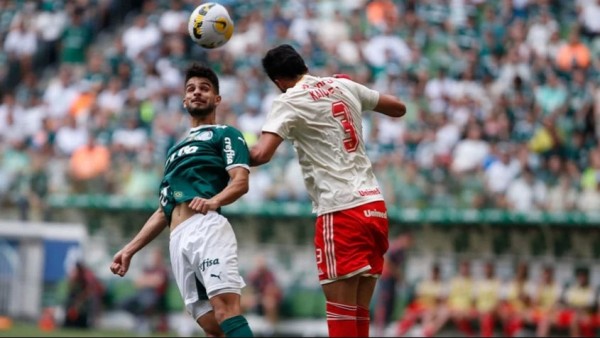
x,y
203,252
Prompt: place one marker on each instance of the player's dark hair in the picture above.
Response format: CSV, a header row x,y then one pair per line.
x,y
284,62
196,70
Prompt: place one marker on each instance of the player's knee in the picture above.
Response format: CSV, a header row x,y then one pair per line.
x,y
209,324
225,306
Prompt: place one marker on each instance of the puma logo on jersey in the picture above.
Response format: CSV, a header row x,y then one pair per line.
x,y
216,276
375,213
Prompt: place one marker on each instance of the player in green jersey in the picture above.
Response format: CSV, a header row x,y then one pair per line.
x,y
207,169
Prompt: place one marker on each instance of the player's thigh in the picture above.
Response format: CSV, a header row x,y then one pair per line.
x,y
342,291
366,288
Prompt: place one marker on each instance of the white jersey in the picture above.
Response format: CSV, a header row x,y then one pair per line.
x,y
322,117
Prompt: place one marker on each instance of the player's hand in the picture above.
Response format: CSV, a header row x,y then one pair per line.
x,y
342,76
120,263
203,206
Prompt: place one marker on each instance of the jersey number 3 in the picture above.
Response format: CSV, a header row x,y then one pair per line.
x,y
341,112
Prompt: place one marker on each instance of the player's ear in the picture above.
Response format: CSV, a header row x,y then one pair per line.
x,y
184,104
217,100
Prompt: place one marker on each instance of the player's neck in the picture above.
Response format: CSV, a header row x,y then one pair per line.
x,y
286,84
204,120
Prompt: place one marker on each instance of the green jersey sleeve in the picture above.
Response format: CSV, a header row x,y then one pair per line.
x,y
234,149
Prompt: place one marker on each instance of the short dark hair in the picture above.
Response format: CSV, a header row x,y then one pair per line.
x,y
196,70
284,62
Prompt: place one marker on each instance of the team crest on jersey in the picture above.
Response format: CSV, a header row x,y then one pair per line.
x,y
203,136
178,194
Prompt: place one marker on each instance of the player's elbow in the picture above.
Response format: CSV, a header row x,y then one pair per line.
x,y
398,110
391,106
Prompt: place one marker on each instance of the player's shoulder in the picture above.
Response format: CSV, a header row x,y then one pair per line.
x,y
224,129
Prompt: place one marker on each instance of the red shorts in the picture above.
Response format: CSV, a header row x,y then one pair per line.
x,y
351,242
565,317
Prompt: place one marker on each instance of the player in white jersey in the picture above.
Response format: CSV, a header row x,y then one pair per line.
x,y
322,117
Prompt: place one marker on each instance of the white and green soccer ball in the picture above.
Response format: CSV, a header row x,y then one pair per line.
x,y
210,25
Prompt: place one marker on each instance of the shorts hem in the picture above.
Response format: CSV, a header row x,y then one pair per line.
x,y
346,276
215,291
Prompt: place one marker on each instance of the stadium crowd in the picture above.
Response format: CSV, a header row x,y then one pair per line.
x,y
503,97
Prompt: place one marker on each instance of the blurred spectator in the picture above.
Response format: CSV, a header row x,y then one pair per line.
x,y
562,196
76,39
578,302
589,199
516,301
544,299
70,136
141,36
589,12
85,292
426,306
88,167
141,177
130,136
487,299
501,172
550,96
390,281
36,190
174,20
540,31
12,119
60,93
49,25
459,303
470,152
573,54
149,304
21,45
589,177
527,192
266,294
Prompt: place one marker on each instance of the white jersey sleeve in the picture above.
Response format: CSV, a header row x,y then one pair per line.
x,y
367,96
280,119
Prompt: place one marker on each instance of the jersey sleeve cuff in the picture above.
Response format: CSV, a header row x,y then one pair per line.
x,y
238,165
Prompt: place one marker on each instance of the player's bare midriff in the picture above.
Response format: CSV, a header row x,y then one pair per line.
x,y
180,214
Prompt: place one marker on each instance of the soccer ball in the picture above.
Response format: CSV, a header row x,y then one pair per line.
x,y
210,25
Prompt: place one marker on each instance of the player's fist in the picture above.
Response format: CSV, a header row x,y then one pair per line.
x,y
342,76
120,263
203,206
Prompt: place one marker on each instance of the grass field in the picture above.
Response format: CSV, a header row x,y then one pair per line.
x,y
21,329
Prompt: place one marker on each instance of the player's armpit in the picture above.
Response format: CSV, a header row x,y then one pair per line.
x,y
390,106
265,147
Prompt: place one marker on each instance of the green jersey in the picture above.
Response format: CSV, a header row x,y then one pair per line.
x,y
198,165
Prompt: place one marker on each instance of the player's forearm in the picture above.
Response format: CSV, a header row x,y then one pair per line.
x,y
234,190
151,229
257,157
